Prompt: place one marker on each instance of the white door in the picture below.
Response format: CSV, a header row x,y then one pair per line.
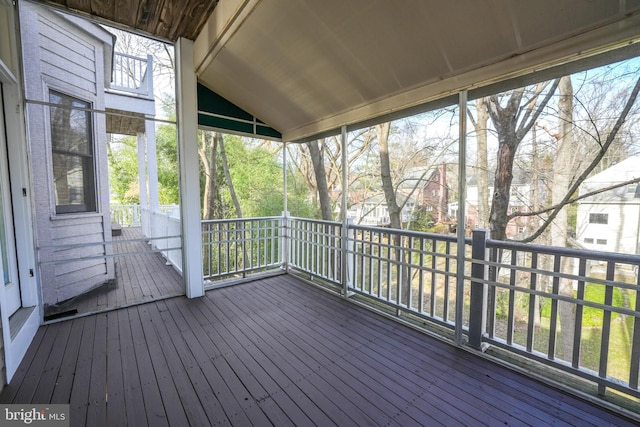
x,y
7,239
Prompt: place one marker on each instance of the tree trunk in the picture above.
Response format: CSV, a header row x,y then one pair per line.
x,y
400,255
543,280
208,156
510,135
317,159
562,175
498,216
227,175
483,163
395,219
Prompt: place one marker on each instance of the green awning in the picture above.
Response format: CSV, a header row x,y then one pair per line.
x,y
216,112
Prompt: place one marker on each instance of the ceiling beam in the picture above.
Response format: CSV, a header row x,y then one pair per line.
x,y
225,20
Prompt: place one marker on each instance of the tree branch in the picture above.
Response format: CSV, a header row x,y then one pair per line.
x,y
526,127
575,199
603,150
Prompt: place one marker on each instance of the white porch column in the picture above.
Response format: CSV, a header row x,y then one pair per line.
x,y
462,204
189,169
142,181
152,175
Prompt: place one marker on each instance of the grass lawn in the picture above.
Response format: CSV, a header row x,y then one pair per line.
x,y
620,342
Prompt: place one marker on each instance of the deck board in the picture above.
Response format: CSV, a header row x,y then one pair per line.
x,y
132,387
275,352
141,277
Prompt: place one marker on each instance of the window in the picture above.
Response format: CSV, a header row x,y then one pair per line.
x,y
598,218
72,149
588,240
601,241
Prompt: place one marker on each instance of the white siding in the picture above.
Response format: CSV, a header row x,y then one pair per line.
x,y
66,58
619,234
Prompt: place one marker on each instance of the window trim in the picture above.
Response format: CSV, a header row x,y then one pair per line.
x,y
89,160
598,218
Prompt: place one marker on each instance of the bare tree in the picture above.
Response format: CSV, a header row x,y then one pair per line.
x,y
482,164
382,132
207,151
512,123
603,144
317,159
562,176
330,150
227,175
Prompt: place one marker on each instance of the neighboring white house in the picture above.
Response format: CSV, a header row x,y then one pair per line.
x,y
374,210
610,221
520,200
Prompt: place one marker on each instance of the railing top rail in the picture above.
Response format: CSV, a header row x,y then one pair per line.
x,y
258,218
411,233
571,252
126,55
319,221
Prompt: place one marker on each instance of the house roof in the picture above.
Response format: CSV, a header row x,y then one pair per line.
x,y
308,67
626,170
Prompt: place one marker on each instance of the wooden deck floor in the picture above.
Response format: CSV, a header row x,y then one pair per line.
x,y
138,278
275,352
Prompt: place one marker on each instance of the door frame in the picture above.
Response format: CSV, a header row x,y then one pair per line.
x,y
17,341
11,291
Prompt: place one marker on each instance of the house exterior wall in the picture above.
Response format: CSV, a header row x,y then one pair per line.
x,y
65,58
435,194
619,234
520,200
610,220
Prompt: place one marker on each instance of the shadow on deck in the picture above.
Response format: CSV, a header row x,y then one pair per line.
x,y
275,352
139,278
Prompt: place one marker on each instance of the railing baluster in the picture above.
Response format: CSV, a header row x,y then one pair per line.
x,y
228,248
421,279
577,337
408,277
511,322
491,297
370,281
553,326
389,264
635,343
434,278
533,284
606,327
447,290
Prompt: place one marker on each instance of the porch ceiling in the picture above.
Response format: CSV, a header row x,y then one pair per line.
x,y
307,67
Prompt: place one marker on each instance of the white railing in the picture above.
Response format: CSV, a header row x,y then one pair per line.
x,y
132,74
575,310
240,247
162,228
515,297
126,215
134,215
166,232
315,248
